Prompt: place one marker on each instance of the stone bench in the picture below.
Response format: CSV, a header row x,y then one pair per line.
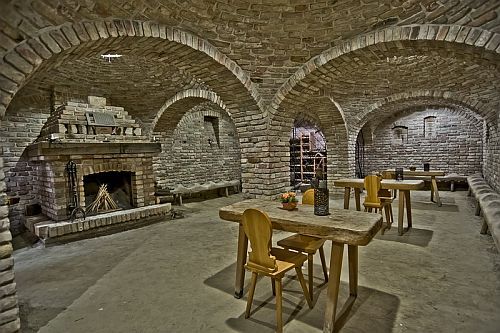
x,y
181,190
487,205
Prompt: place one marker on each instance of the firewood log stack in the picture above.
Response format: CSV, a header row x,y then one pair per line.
x,y
103,201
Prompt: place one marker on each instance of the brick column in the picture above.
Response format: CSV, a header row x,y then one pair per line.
x,y
9,310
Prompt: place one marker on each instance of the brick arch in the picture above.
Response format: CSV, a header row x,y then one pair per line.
x,y
410,112
169,115
56,43
329,117
299,83
188,117
393,104
114,165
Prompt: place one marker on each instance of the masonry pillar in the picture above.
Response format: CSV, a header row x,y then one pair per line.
x,y
9,309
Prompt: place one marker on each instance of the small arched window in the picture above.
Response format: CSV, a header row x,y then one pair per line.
x,y
430,127
399,135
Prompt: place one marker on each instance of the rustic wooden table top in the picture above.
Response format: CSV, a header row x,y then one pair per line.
x,y
341,226
391,184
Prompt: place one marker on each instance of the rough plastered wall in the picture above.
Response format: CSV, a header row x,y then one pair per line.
x,y
20,127
453,143
194,154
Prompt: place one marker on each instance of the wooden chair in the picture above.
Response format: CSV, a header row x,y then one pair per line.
x,y
269,261
307,244
383,192
374,200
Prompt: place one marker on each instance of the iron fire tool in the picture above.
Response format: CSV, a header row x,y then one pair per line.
x,y
74,201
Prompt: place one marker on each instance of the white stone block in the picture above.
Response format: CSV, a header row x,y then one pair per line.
x,y
97,101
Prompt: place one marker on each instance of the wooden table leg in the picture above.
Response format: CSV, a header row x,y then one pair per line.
x,y
240,262
333,286
401,211
436,192
352,252
356,196
408,209
347,195
432,191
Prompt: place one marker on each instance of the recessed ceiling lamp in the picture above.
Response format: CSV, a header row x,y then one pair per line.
x,y
111,56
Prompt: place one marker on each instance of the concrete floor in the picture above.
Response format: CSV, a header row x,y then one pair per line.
x,y
178,276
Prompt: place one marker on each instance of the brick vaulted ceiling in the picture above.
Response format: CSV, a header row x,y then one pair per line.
x,y
269,41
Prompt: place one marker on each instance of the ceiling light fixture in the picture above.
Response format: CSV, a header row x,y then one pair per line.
x,y
109,56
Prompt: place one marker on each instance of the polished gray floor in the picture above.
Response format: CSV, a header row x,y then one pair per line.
x,y
178,276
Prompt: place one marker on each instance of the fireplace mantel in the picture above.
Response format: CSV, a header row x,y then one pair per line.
x,y
41,150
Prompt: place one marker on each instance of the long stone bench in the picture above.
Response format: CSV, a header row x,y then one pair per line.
x,y
181,190
487,205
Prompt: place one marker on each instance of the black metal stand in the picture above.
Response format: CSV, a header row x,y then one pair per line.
x,y
74,200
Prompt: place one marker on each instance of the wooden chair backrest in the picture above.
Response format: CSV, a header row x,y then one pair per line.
x,y
372,186
308,197
388,175
259,230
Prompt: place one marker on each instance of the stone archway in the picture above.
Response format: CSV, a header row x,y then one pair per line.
x,y
312,70
26,58
399,46
418,97
181,127
330,119
462,124
184,100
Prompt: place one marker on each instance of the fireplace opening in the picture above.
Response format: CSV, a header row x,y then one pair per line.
x,y
105,188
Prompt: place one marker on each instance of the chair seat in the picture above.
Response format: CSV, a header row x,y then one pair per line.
x,y
302,243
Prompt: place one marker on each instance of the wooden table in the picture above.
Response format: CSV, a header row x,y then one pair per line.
x,y
341,227
421,173
404,187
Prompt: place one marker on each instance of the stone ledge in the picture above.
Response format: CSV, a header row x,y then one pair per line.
x,y
49,231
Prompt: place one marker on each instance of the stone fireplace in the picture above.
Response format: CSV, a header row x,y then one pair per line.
x,y
106,146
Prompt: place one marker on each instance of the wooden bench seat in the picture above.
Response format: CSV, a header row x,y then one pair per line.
x,y
452,179
487,204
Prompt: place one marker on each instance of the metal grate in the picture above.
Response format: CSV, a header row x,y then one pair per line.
x,y
100,119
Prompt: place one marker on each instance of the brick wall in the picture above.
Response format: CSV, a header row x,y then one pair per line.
x,y
189,158
491,170
9,311
19,129
456,147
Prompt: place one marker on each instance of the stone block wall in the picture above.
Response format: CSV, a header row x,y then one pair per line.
x,y
188,157
456,146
